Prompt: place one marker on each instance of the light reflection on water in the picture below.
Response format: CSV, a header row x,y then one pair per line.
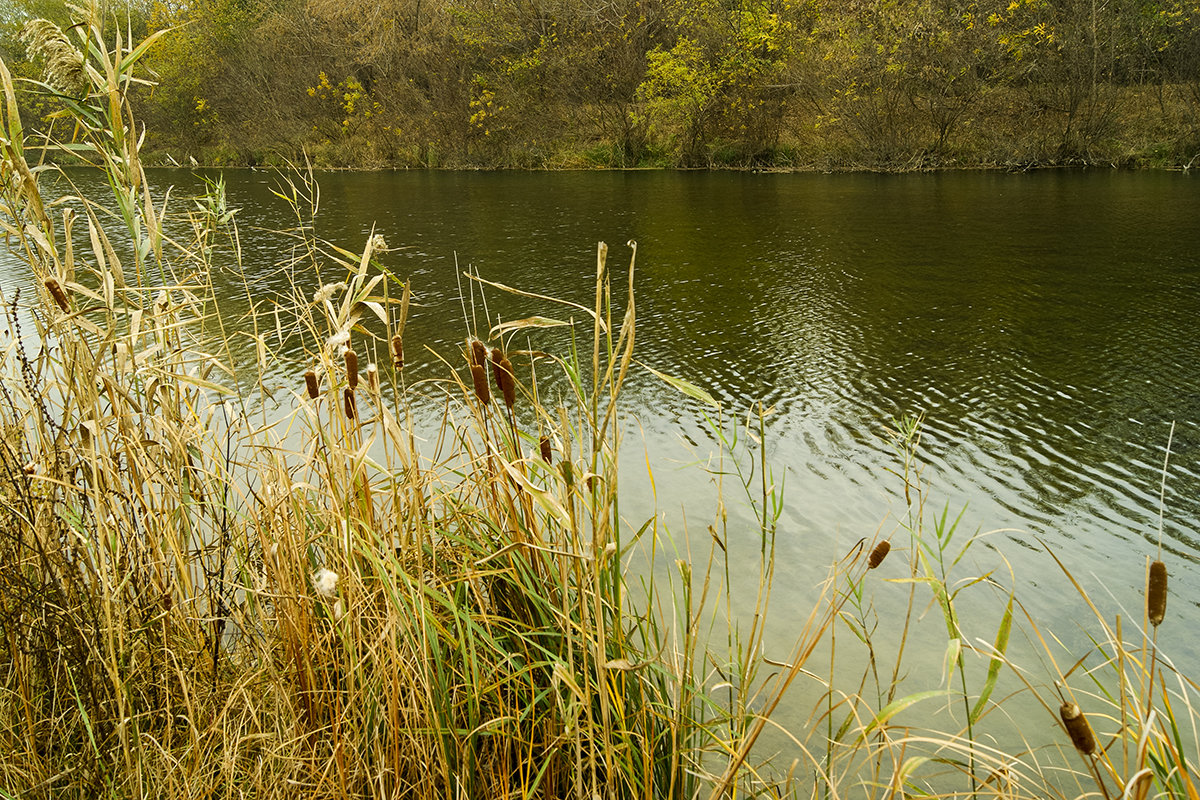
x,y
1044,325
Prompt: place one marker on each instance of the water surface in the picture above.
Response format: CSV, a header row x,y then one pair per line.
x,y
1046,327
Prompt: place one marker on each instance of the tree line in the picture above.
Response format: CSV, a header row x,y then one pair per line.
x,y
890,84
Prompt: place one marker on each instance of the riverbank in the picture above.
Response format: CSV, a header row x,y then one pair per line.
x,y
1009,129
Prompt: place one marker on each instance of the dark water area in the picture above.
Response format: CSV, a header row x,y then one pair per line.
x,y
1046,327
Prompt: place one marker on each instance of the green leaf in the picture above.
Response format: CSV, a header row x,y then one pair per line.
x,y
690,389
896,706
994,665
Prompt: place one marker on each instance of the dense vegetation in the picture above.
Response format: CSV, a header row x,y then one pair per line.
x,y
694,83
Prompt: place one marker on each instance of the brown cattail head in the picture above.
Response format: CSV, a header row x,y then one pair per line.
x,y
479,378
1156,593
547,453
56,291
568,473
879,554
397,352
373,377
502,371
310,382
351,358
351,405
479,352
1078,728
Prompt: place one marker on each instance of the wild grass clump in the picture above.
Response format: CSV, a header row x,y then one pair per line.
x,y
199,595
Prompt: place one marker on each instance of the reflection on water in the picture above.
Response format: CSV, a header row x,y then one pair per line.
x,y
1045,325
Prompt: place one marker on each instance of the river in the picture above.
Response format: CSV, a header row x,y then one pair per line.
x,y
1046,326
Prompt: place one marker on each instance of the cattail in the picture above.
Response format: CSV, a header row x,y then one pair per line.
x,y
56,291
397,352
310,381
373,377
1156,593
568,473
479,378
351,406
351,359
1078,728
879,554
547,453
479,352
502,371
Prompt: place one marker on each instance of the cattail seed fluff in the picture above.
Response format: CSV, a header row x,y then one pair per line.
x,y
879,554
1078,728
351,358
310,382
373,377
351,405
1156,593
547,453
397,352
56,291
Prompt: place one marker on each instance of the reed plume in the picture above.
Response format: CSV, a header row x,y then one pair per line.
x,y
64,69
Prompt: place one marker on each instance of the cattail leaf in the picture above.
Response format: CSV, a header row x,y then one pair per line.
x,y
688,388
908,768
377,308
529,322
896,706
543,498
951,658
996,662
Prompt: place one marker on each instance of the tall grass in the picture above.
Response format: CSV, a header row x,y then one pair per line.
x,y
201,599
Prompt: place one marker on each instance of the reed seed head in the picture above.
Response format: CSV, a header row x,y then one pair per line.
x,y
479,379
1156,593
879,554
64,69
398,352
1078,728
57,292
351,405
544,446
310,382
351,359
